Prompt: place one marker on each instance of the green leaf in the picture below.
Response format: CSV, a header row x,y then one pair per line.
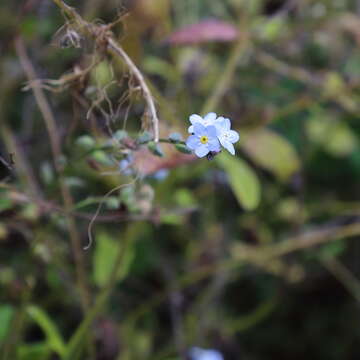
x,y
183,149
102,74
171,219
272,152
332,249
53,336
37,351
155,148
243,180
335,137
102,158
86,142
5,202
47,172
105,254
6,314
157,66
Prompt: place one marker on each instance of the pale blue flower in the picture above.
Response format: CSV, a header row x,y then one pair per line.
x,y
226,136
204,140
197,353
161,174
207,120
125,165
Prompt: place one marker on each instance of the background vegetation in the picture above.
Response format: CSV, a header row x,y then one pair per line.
x,y
255,255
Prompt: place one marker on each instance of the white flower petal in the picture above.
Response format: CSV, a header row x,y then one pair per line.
x,y
192,142
210,117
227,124
222,126
214,145
195,118
229,147
211,131
201,151
220,119
191,129
199,129
233,136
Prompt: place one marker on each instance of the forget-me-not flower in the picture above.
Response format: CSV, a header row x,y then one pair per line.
x,y
204,140
226,136
197,353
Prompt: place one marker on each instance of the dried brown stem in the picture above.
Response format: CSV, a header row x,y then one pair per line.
x,y
102,34
116,48
55,144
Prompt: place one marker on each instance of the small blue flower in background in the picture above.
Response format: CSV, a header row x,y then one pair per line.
x,y
197,353
224,135
161,174
204,140
125,165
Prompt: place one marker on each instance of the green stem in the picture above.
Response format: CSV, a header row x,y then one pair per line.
x,y
227,75
77,341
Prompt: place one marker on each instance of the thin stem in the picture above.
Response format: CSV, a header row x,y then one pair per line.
x,y
76,343
55,144
250,254
115,48
227,76
343,275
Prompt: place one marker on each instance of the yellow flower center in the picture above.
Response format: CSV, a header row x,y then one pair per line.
x,y
204,139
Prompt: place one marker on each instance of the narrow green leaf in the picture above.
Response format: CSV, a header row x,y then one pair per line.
x,y
155,148
105,254
182,148
53,336
36,351
6,314
243,180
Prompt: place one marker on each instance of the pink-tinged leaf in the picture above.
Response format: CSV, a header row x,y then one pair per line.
x,y
205,31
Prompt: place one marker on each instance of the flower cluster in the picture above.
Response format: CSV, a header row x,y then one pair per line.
x,y
209,133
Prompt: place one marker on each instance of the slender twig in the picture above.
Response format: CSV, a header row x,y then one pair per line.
x,y
291,71
175,300
13,337
252,255
343,275
113,47
76,343
23,169
7,164
227,75
55,144
260,254
99,209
